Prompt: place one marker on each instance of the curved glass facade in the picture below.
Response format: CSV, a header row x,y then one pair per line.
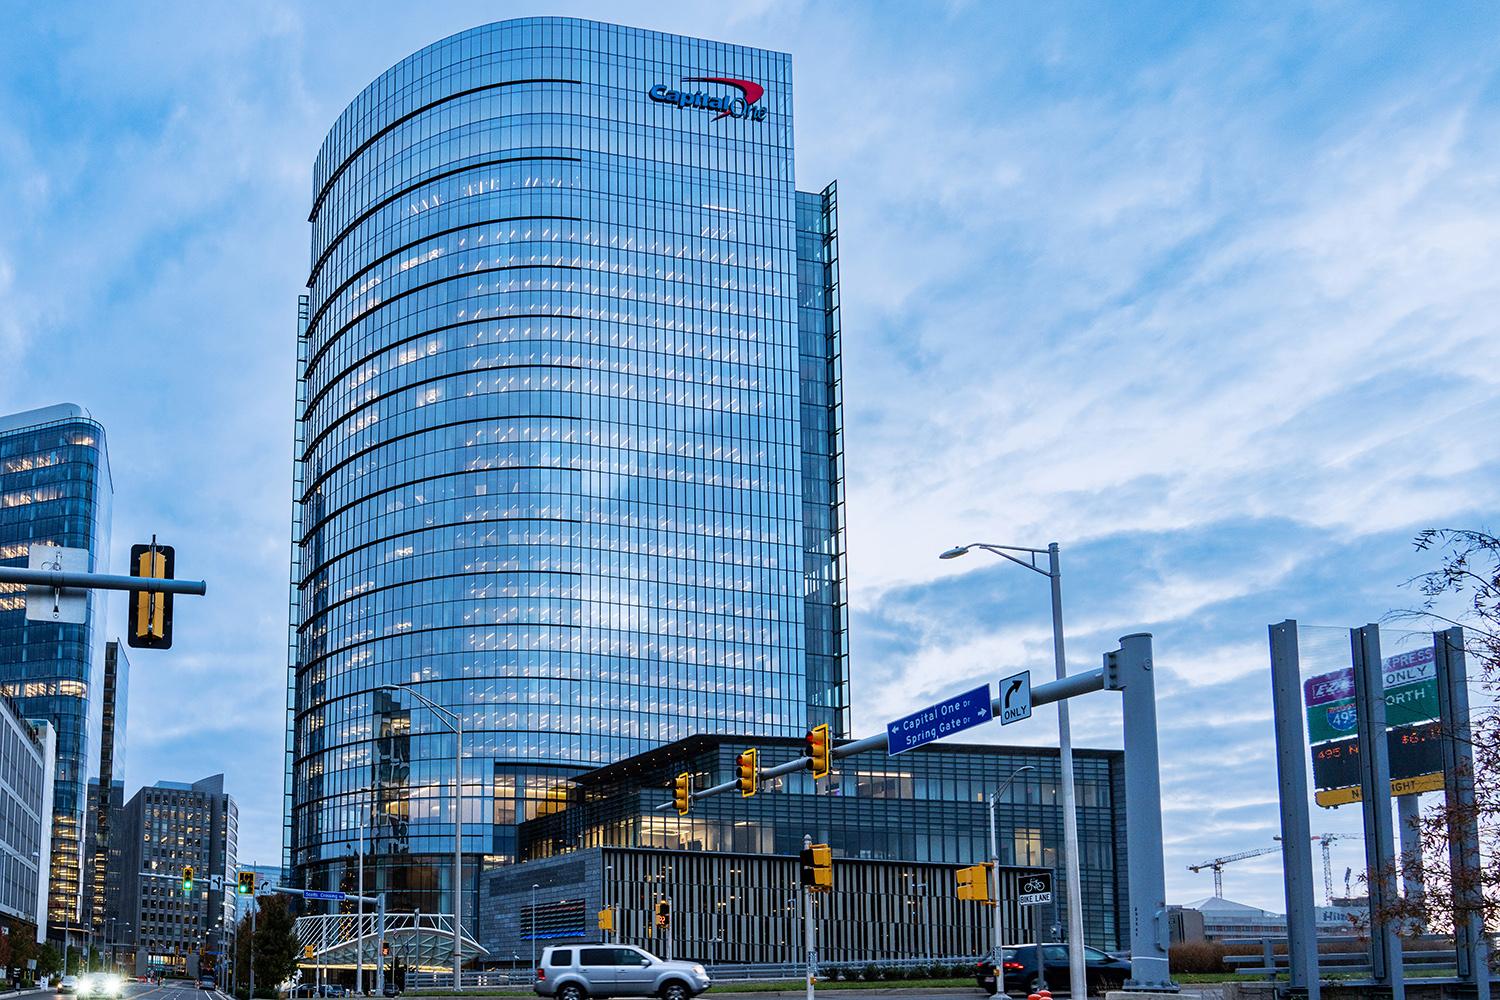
x,y
568,452
55,489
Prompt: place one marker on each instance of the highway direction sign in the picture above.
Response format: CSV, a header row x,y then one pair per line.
x,y
972,708
1035,888
1015,698
334,897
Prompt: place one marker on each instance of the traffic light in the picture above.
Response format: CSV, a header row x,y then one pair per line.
x,y
607,919
818,748
682,793
817,868
247,883
385,949
187,879
663,913
307,951
150,625
974,883
747,772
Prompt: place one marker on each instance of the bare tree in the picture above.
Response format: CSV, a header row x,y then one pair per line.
x,y
1464,590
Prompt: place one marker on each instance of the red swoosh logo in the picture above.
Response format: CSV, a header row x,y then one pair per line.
x,y
750,89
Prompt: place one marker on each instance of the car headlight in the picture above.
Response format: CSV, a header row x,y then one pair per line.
x,y
112,983
700,970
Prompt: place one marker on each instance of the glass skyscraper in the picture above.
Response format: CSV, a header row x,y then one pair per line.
x,y
55,488
568,447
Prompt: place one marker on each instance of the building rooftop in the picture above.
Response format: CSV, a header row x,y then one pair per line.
x,y
42,415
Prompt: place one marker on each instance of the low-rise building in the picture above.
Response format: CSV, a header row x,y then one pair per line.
x,y
28,763
898,827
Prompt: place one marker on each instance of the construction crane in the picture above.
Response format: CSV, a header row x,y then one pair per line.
x,y
1217,864
1326,840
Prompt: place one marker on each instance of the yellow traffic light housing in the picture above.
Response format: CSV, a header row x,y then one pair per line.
x,y
682,793
187,879
817,868
747,772
247,883
607,919
819,750
150,611
974,883
663,913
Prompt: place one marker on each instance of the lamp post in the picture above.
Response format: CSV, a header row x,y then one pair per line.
x,y
1077,978
614,930
454,722
534,888
995,869
359,918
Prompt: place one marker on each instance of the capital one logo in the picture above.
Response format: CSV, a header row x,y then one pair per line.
x,y
727,104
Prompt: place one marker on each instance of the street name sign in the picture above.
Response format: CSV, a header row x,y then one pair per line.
x,y
1015,698
964,711
1035,888
333,897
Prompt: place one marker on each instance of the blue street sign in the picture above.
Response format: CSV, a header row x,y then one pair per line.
x,y
319,894
972,708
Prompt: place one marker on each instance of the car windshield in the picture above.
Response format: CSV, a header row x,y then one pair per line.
x,y
1094,954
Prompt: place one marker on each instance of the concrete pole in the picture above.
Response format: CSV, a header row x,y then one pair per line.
x,y
1408,820
1464,859
1296,824
1078,977
1375,787
1147,880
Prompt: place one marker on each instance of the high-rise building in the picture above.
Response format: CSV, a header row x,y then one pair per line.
x,y
106,796
568,446
55,488
162,830
28,761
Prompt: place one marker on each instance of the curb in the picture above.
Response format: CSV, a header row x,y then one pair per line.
x,y
945,991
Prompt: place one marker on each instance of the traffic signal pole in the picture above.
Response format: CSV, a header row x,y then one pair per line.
x,y
99,581
807,921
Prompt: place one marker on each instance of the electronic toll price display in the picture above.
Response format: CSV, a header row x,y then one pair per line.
x,y
1413,751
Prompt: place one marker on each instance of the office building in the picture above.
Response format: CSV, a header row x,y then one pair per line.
x,y
569,438
163,829
55,488
106,796
918,816
28,761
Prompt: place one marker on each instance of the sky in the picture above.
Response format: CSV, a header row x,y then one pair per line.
x,y
1206,293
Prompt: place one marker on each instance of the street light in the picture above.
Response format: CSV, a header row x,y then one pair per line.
x,y
534,888
995,865
1077,978
456,723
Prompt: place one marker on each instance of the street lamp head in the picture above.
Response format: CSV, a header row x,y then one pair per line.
x,y
955,552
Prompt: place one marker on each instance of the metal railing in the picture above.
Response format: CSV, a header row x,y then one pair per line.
x,y
1353,955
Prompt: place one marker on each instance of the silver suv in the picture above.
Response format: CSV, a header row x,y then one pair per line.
x,y
573,972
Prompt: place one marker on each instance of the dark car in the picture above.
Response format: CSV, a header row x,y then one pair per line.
x,y
1104,972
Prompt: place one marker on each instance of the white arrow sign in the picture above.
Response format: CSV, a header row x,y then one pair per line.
x,y
1015,698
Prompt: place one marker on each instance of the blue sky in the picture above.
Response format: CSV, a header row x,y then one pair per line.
x,y
1206,293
